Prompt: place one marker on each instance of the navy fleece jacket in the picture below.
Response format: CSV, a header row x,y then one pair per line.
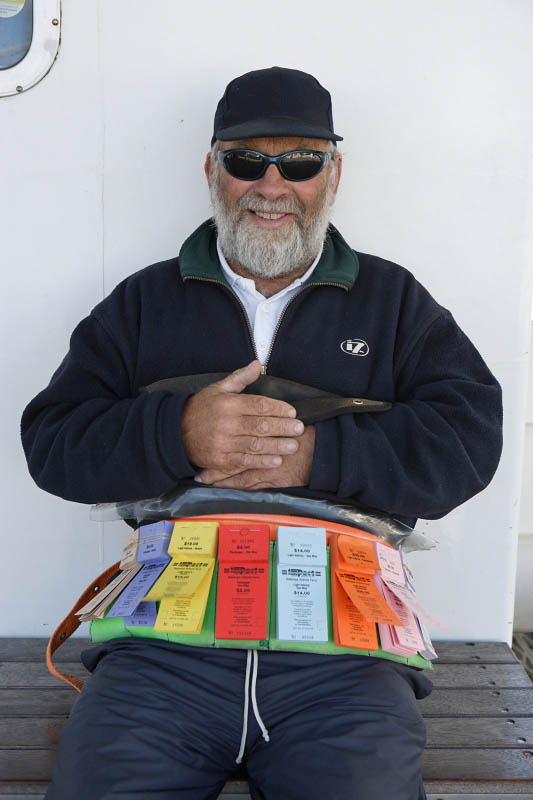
x,y
90,436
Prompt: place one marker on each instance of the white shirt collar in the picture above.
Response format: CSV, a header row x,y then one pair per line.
x,y
248,284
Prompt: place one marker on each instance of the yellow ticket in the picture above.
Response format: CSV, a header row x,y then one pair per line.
x,y
182,577
184,614
199,538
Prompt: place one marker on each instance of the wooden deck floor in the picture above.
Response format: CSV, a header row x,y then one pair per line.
x,y
479,720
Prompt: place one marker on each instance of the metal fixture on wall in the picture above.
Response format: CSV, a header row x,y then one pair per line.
x,y
30,32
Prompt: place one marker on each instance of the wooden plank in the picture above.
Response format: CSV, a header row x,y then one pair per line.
x,y
473,702
232,796
479,732
29,765
503,676
31,731
467,789
471,764
37,702
34,675
489,796
14,791
35,789
480,676
441,731
34,649
235,789
484,652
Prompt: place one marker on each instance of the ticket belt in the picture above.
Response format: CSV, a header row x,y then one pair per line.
x,y
347,581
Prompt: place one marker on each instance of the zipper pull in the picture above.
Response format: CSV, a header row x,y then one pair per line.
x,y
263,369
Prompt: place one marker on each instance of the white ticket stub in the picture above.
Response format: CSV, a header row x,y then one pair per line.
x,y
304,546
302,614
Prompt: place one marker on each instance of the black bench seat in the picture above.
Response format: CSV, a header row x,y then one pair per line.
x,y
479,720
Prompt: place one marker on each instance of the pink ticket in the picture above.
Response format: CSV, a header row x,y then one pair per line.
x,y
390,563
389,644
408,635
409,598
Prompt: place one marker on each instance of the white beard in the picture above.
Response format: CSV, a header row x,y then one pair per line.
x,y
270,253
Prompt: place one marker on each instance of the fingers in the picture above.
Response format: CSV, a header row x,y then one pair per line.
x,y
228,431
210,476
251,479
252,404
257,405
265,445
235,462
266,427
238,380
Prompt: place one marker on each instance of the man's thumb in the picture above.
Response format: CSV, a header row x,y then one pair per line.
x,y
238,380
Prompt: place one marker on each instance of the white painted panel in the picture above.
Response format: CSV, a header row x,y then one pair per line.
x,y
523,620
529,417
468,580
51,258
433,102
526,500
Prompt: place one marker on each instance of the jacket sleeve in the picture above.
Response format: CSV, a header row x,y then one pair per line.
x,y
89,437
438,446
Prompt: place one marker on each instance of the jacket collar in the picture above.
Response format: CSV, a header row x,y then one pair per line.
x,y
198,258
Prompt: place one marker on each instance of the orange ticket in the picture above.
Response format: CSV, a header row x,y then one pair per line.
x,y
350,628
357,554
364,594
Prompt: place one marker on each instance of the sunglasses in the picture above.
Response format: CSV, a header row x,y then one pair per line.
x,y
250,165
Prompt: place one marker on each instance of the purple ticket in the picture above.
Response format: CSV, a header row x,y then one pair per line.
x,y
153,542
144,614
135,591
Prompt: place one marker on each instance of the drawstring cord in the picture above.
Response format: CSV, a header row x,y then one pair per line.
x,y
251,655
260,722
238,760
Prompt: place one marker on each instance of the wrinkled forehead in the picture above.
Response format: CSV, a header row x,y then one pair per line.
x,y
275,145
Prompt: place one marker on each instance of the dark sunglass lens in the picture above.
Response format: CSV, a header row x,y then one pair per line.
x,y
245,165
301,166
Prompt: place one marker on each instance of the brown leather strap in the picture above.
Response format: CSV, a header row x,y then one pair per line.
x,y
71,623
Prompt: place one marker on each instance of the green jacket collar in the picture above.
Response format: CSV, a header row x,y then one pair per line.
x,y
198,258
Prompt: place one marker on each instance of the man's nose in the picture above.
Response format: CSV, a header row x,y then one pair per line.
x,y
272,184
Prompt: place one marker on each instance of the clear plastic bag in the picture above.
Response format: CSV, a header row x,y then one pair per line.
x,y
192,502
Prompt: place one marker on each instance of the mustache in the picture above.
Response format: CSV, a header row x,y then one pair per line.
x,y
280,206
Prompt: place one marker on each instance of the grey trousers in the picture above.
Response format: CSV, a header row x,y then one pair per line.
x,y
161,720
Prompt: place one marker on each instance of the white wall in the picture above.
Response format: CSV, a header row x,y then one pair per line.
x,y
104,175
523,612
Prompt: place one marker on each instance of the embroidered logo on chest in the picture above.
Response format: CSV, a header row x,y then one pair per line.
x,y
355,347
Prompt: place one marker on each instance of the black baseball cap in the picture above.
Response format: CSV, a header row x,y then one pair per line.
x,y
274,102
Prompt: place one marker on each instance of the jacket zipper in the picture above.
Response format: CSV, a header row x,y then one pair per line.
x,y
285,307
238,299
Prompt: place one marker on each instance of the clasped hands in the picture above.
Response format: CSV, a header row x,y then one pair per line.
x,y
245,441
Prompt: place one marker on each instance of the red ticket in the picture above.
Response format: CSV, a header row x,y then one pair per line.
x,y
242,601
243,543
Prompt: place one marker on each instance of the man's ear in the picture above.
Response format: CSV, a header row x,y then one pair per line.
x,y
207,168
338,162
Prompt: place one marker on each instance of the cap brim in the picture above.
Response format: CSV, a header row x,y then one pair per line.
x,y
260,128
